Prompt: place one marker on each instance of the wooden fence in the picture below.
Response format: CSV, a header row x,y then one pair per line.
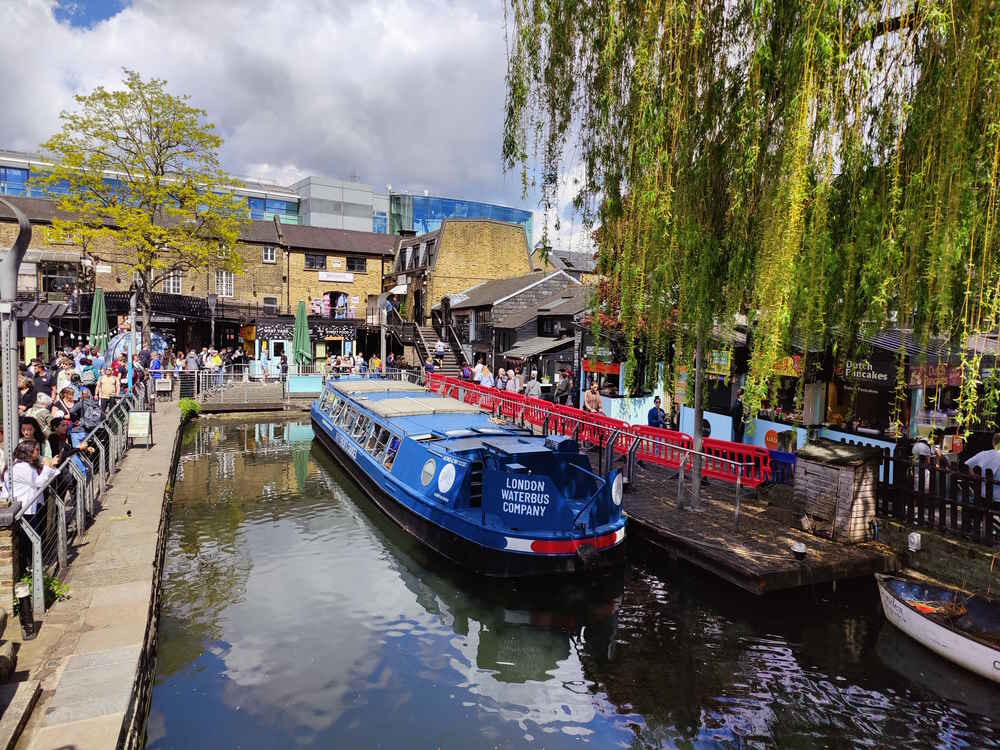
x,y
923,493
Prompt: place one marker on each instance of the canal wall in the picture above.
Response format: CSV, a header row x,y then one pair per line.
x,y
132,734
957,562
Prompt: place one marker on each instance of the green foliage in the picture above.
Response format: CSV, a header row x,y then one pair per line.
x,y
826,169
170,207
189,408
55,590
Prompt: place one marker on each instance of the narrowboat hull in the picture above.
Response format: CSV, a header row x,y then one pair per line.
x,y
464,552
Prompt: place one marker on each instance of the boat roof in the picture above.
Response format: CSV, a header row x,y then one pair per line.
x,y
412,406
454,425
374,386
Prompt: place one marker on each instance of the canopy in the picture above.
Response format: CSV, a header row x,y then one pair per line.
x,y
98,322
398,289
301,347
535,346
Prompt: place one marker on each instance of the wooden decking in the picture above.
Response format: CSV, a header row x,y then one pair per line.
x,y
757,555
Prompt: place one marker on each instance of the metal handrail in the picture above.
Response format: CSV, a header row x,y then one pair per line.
x,y
90,483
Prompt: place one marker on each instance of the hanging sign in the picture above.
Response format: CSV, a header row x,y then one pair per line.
x,y
788,367
934,375
718,362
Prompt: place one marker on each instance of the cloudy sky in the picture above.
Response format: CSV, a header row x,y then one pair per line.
x,y
407,92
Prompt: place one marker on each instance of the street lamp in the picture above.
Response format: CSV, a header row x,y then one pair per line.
x,y
212,299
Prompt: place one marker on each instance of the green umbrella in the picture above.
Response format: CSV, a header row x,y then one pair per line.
x,y
99,322
301,348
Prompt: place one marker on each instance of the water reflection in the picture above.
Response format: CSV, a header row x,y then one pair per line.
x,y
296,613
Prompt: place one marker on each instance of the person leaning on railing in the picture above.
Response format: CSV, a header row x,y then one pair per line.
x,y
31,475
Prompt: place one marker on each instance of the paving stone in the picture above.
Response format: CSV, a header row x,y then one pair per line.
x,y
92,641
91,734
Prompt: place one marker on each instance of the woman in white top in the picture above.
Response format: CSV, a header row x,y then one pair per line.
x,y
486,381
30,475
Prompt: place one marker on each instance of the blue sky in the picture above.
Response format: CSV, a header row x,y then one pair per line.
x,y
86,13
407,92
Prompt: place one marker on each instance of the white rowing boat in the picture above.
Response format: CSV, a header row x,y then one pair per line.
x,y
961,627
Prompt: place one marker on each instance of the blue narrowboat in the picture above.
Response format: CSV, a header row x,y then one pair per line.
x,y
489,496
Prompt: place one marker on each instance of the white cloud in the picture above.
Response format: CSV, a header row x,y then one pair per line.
x,y
407,91
566,228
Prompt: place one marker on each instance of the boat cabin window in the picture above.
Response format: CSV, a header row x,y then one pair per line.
x,y
347,417
360,425
391,451
338,407
373,439
381,440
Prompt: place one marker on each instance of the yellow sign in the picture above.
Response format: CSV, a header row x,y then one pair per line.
x,y
718,362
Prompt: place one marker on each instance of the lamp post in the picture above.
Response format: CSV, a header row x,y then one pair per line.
x,y
212,299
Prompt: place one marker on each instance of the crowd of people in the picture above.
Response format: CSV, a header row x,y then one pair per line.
x,y
514,380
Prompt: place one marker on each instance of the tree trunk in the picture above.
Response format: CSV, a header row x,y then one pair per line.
x,y
699,382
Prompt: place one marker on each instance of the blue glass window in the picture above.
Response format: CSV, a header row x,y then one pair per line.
x,y
380,222
13,181
264,209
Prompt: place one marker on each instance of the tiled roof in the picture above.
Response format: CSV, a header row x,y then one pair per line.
x,y
337,240
570,301
488,292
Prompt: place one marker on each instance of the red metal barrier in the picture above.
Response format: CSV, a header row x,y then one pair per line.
x,y
657,446
662,447
759,460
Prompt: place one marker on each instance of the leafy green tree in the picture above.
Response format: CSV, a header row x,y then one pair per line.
x,y
140,167
823,168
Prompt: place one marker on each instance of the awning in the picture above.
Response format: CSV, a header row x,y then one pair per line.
x,y
40,310
537,345
35,317
398,289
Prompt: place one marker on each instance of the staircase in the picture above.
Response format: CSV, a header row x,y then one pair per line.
x,y
452,366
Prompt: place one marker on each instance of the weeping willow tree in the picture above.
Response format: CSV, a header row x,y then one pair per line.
x,y
823,168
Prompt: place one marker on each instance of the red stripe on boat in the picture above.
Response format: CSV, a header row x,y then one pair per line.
x,y
565,546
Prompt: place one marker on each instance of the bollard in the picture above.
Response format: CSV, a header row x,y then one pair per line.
x,y
25,615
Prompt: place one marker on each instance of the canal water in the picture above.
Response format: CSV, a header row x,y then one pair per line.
x,y
296,615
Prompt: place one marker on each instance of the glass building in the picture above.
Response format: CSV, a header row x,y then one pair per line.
x,y
424,213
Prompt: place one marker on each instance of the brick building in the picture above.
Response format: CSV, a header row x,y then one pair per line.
x,y
335,271
461,253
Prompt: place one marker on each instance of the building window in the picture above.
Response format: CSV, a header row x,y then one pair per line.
x,y
271,304
172,282
357,265
315,262
269,255
224,283
223,251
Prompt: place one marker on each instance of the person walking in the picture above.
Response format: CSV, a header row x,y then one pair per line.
x,y
532,388
562,388
739,425
108,386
